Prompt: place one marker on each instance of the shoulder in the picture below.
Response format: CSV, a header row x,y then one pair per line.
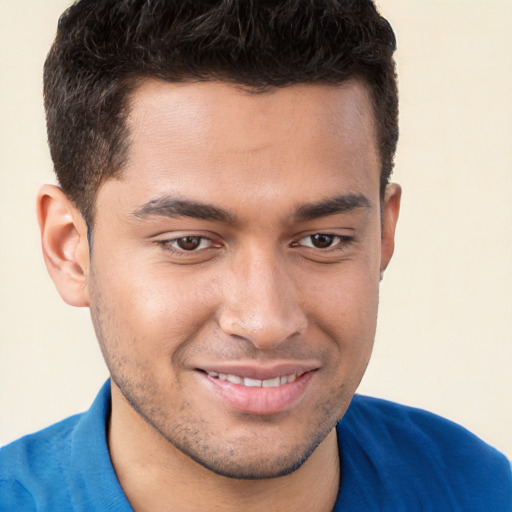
x,y
64,467
421,428
15,497
409,451
35,463
38,449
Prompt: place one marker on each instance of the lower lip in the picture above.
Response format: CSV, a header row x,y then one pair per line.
x,y
260,400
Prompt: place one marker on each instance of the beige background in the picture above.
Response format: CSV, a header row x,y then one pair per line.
x,y
444,338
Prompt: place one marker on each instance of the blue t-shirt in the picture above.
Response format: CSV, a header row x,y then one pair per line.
x,y
393,458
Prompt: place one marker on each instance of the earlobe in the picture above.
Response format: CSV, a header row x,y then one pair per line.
x,y
64,243
390,212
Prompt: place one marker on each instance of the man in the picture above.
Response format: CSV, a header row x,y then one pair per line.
x,y
226,214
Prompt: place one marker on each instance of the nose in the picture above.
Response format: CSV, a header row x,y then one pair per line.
x,y
261,303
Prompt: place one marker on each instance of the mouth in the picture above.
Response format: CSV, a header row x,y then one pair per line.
x,y
259,391
255,383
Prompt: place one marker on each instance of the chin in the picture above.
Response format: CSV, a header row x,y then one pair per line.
x,y
265,466
251,457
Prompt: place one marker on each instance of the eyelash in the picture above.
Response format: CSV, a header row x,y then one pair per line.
x,y
343,242
167,245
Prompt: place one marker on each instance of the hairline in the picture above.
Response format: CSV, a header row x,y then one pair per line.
x,y
132,84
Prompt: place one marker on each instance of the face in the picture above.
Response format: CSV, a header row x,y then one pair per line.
x,y
235,266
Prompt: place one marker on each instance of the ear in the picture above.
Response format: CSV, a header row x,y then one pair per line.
x,y
64,243
390,211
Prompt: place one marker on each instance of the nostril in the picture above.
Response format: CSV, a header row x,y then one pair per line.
x,y
263,333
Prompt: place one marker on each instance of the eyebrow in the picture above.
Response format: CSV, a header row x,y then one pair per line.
x,y
169,206
332,206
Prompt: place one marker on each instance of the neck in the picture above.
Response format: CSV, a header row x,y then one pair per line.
x,y
155,476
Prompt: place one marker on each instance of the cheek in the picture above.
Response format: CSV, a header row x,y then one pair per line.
x,y
147,311
343,306
346,299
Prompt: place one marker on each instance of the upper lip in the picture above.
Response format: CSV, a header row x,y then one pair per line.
x,y
260,371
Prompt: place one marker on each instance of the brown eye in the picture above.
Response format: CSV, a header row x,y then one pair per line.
x,y
322,241
189,243
194,247
324,247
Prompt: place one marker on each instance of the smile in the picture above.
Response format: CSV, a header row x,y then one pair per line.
x,y
276,390
254,383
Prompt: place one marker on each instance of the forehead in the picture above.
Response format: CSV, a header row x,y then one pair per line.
x,y
188,107
240,119
207,139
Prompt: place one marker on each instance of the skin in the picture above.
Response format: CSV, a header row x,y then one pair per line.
x,y
258,292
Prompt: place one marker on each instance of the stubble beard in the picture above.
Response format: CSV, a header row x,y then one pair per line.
x,y
242,460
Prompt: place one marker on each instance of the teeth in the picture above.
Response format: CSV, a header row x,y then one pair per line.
x,y
254,383
271,383
234,379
